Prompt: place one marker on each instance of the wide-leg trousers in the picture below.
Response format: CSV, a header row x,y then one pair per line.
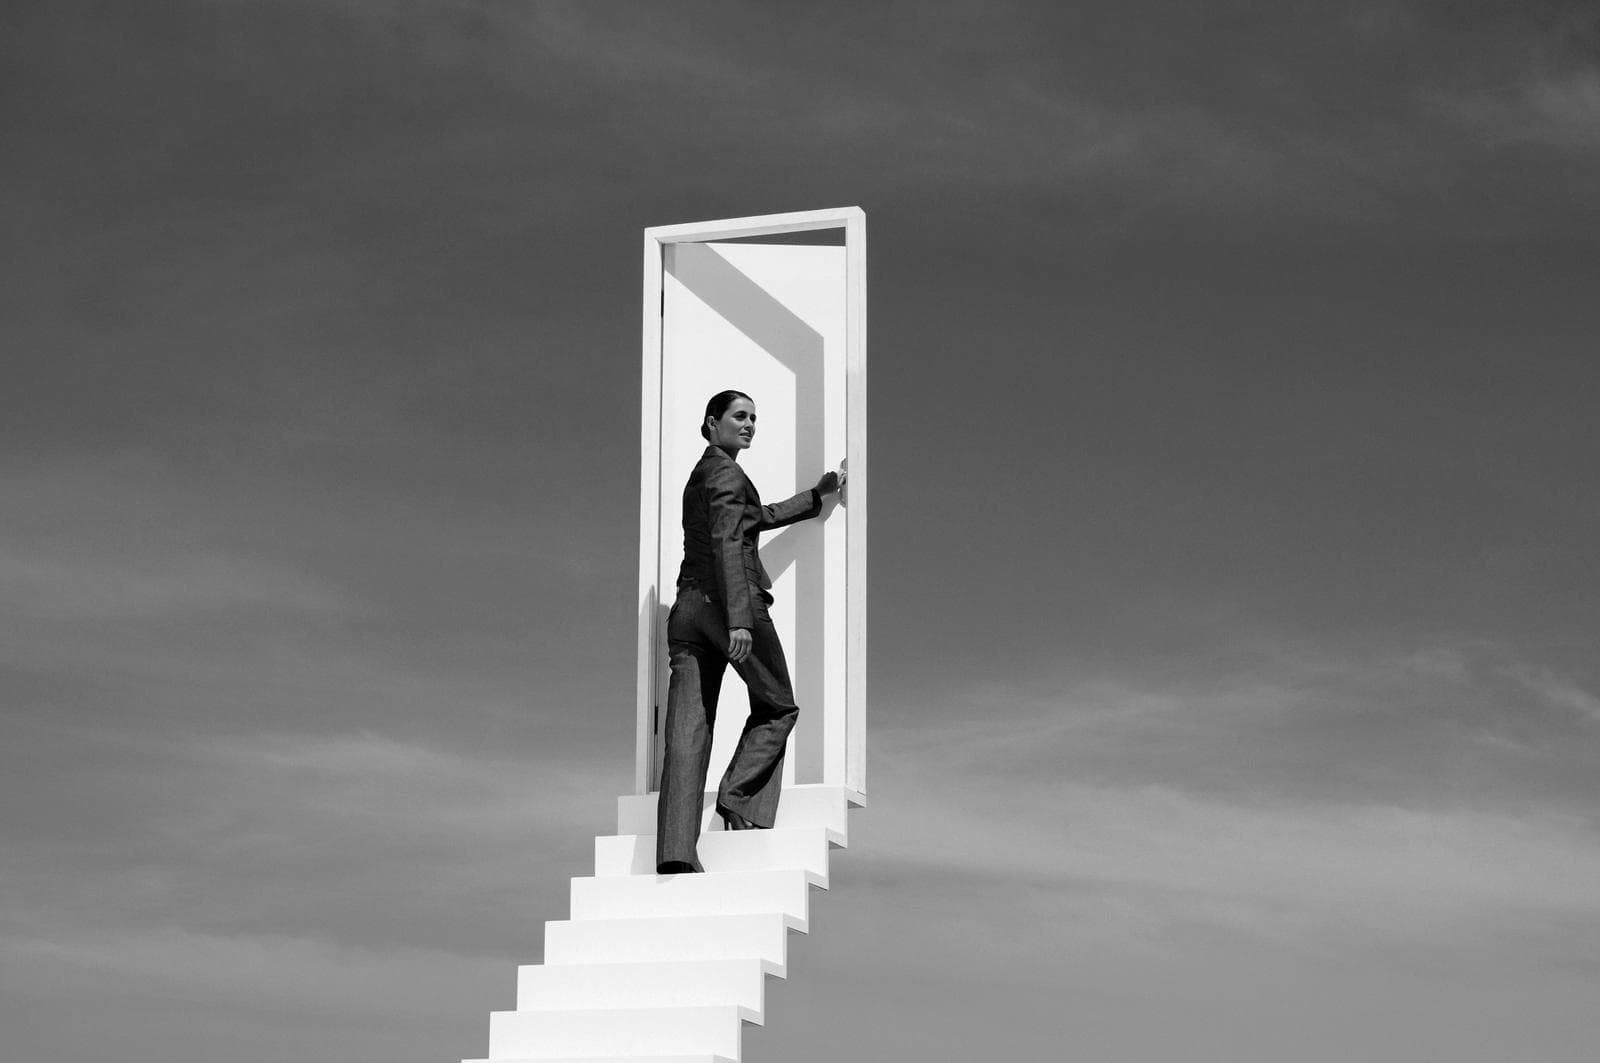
x,y
697,647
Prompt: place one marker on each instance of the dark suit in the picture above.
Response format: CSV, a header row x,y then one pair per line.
x,y
722,585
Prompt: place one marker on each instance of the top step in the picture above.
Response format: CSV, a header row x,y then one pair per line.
x,y
614,1059
810,805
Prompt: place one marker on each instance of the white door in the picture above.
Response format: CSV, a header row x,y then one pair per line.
x,y
772,320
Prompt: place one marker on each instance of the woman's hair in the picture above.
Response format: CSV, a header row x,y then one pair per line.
x,y
718,406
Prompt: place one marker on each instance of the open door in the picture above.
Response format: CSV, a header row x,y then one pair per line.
x,y
785,323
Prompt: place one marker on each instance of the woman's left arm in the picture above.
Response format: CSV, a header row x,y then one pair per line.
x,y
802,506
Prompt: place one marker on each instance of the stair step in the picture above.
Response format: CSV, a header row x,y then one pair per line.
x,y
697,1058
667,968
713,893
763,936
670,984
805,848
810,805
627,1032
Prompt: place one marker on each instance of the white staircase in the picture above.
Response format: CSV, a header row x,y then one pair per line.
x,y
667,968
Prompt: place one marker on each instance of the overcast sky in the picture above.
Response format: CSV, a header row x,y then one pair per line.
x,y
1234,597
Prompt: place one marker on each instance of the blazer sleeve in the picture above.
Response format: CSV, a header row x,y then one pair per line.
x,y
729,520
802,506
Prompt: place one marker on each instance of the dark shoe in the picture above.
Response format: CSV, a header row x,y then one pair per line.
x,y
676,867
734,821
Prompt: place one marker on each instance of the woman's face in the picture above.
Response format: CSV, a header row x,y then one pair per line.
x,y
736,427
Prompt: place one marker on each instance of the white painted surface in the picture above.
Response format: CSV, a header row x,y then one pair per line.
x,y
768,320
665,968
651,607
714,893
614,1032
804,848
762,936
760,225
847,753
802,806
739,982
786,324
697,1058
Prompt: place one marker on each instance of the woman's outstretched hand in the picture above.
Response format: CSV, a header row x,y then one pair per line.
x,y
830,482
739,642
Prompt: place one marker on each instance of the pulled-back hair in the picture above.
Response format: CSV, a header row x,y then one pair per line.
x,y
719,405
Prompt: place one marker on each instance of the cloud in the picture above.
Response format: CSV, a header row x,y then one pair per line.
x,y
319,882
191,585
1434,800
142,586
1159,866
983,101
1427,725
1560,692
348,838
1537,86
1554,110
328,696
165,992
427,793
254,971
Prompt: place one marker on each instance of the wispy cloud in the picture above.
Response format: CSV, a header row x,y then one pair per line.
x,y
1536,85
979,101
1557,110
1436,800
1560,692
169,992
190,585
317,589
1437,724
1301,875
348,838
256,971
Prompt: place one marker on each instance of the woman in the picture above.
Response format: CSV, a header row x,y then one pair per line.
x,y
721,616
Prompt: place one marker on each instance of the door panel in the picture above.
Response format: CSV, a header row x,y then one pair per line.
x,y
769,320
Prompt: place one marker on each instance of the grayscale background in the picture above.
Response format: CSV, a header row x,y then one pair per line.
x,y
1234,694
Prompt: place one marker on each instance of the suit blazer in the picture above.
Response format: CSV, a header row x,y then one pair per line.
x,y
722,519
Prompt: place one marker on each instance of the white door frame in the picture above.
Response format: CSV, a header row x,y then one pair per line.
x,y
845,723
